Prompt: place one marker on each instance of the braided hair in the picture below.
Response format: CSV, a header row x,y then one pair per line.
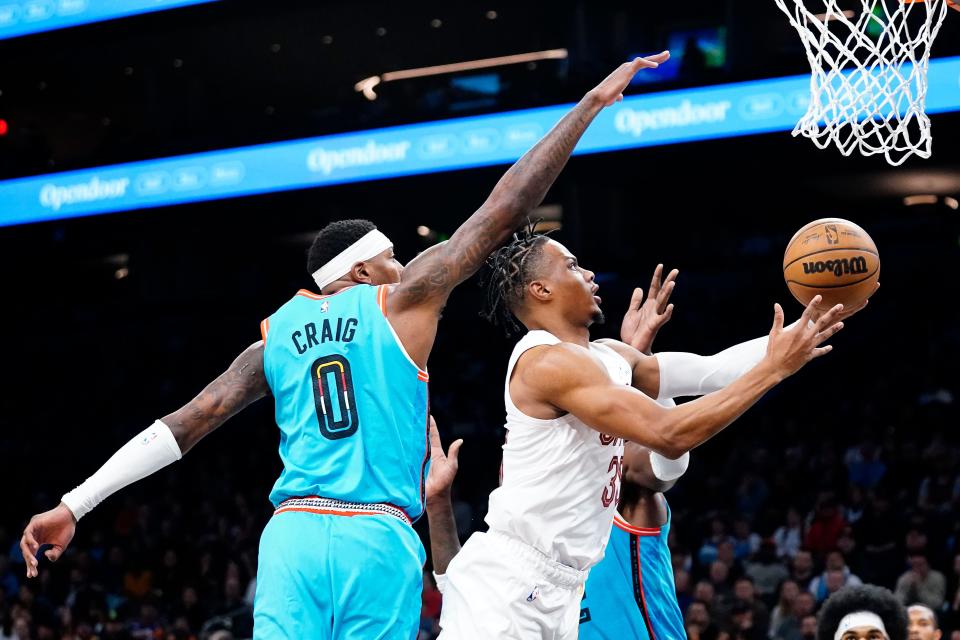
x,y
507,275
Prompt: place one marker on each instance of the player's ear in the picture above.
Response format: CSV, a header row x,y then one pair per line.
x,y
361,273
540,290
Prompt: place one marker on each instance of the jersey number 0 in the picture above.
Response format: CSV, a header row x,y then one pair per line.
x,y
334,397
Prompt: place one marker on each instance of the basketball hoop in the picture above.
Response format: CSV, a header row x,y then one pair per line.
x,y
869,84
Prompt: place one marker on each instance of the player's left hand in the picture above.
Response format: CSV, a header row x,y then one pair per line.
x,y
847,311
645,317
443,467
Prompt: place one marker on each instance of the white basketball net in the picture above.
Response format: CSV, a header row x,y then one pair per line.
x,y
869,85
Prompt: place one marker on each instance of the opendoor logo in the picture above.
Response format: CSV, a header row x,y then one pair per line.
x,y
53,196
326,161
636,122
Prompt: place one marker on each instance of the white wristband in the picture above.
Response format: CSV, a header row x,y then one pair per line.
x,y
666,469
151,450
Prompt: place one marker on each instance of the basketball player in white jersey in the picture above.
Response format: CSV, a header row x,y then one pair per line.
x,y
570,404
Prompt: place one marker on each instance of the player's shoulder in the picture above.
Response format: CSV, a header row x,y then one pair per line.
x,y
625,351
554,364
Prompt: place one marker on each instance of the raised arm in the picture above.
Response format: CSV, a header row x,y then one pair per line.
x,y
571,380
444,541
163,442
427,281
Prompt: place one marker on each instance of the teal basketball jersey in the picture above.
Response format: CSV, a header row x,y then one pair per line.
x,y
351,405
630,594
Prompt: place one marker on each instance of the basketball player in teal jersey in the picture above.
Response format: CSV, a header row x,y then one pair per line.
x,y
347,369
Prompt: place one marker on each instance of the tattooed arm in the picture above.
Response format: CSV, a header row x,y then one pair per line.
x,y
241,384
414,304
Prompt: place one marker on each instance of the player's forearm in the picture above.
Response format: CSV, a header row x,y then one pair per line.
x,y
444,541
166,440
524,185
146,453
691,424
689,374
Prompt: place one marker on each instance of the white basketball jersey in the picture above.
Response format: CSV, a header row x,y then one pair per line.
x,y
560,478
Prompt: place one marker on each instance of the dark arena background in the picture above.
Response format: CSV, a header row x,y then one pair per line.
x,y
848,471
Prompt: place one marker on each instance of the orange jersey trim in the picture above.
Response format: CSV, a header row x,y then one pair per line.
x,y
382,299
317,296
620,523
264,328
334,512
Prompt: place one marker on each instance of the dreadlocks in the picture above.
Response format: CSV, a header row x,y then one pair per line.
x,y
508,274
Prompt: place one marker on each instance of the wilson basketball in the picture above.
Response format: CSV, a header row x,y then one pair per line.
x,y
834,258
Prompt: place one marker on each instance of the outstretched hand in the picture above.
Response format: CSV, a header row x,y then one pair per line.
x,y
443,467
611,89
55,527
644,318
789,351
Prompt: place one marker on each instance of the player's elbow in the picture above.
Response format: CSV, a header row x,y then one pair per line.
x,y
674,440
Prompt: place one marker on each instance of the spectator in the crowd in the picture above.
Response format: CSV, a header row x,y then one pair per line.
x,y
766,570
699,623
720,579
705,593
745,541
938,491
864,466
855,506
784,607
835,563
826,527
708,550
921,584
803,605
801,569
877,534
745,593
808,627
743,624
789,536
847,545
727,555
923,623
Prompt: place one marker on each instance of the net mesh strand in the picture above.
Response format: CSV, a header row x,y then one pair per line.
x,y
869,82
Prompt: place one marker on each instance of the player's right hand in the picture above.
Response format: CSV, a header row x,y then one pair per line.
x,y
788,351
443,467
611,89
55,527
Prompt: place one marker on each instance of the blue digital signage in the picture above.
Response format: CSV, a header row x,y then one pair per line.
x,y
21,17
639,121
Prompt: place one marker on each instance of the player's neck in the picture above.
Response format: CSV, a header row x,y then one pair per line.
x,y
562,330
337,287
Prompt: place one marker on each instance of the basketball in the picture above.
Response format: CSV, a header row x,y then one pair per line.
x,y
834,258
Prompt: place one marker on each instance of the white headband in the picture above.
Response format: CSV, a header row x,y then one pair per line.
x,y
369,246
860,619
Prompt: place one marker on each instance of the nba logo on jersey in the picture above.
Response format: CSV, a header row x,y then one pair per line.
x,y
325,306
534,594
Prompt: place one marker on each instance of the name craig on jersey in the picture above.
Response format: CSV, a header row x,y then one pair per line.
x,y
342,331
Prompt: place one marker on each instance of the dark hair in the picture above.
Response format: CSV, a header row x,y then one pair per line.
x,y
333,239
507,275
863,598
